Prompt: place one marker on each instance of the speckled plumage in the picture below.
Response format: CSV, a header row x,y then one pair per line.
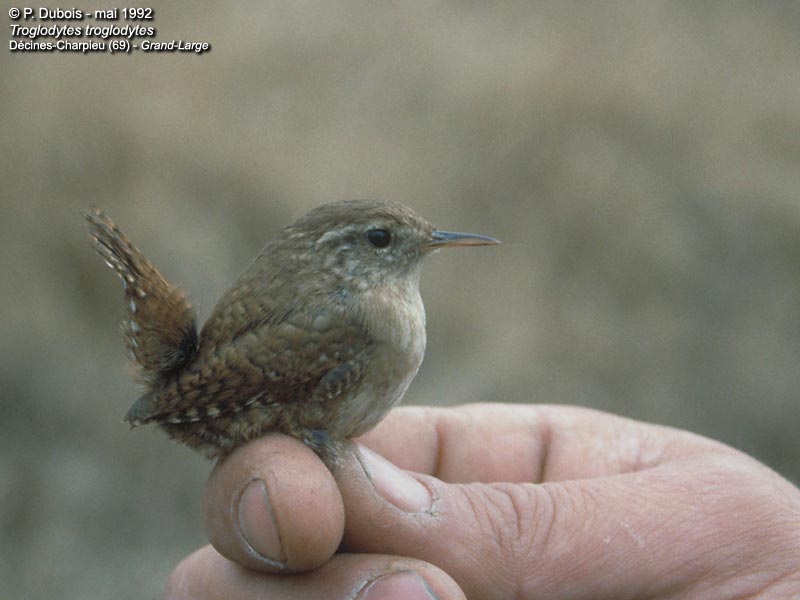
x,y
318,338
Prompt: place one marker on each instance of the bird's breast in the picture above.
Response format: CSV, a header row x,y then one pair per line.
x,y
395,315
394,321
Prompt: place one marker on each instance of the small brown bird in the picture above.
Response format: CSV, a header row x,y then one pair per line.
x,y
318,338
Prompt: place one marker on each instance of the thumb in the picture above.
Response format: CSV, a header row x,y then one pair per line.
x,y
481,534
591,538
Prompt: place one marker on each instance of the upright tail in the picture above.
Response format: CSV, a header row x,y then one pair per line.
x,y
160,324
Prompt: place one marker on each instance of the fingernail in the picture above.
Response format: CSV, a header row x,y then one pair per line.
x,y
395,485
257,524
401,586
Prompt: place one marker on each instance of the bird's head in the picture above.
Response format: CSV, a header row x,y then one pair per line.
x,y
363,243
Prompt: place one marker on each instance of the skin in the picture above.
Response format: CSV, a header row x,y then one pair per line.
x,y
498,501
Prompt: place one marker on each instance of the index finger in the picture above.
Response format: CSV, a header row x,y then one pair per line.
x,y
273,506
526,443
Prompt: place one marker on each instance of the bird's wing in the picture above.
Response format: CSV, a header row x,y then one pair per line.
x,y
297,360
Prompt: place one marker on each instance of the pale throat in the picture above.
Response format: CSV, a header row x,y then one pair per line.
x,y
393,313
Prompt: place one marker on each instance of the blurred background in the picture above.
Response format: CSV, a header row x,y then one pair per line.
x,y
639,161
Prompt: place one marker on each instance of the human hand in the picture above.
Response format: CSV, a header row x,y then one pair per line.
x,y
498,501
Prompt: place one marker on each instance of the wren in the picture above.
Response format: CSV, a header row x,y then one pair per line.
x,y
318,338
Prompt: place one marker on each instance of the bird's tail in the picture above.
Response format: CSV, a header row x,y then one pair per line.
x,y
160,324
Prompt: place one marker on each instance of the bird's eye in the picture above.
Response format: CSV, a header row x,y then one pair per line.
x,y
379,238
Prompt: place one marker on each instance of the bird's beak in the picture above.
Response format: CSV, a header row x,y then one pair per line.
x,y
442,239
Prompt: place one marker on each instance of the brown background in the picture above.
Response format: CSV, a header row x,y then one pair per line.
x,y
640,162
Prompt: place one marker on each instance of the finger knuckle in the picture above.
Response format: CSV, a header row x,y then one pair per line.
x,y
514,524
